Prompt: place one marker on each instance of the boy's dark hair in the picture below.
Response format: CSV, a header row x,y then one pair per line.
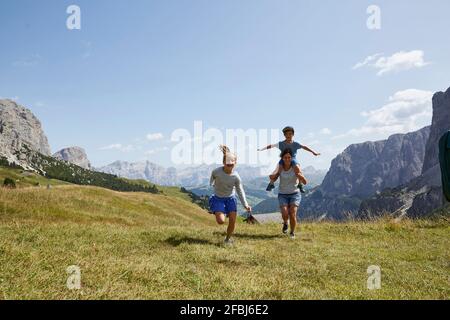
x,y
285,152
287,129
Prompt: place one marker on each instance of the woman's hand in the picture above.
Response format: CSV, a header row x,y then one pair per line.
x,y
248,209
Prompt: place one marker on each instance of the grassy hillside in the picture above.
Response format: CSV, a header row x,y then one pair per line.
x,y
61,170
27,179
152,246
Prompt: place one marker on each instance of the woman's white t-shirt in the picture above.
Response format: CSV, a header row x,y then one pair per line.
x,y
288,182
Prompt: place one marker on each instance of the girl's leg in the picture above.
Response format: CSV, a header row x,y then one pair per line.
x,y
220,217
299,174
231,224
293,217
274,176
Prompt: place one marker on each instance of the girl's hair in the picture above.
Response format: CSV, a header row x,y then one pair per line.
x,y
285,152
227,154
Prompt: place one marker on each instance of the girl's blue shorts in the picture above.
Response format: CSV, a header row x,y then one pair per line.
x,y
225,205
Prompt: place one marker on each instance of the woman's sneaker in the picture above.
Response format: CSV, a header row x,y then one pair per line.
x,y
270,187
285,228
292,235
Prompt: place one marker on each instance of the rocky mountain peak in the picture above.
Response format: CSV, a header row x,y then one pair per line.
x,y
74,155
20,128
440,125
423,194
365,168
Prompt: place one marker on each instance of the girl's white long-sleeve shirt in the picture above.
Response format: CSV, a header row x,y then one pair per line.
x,y
225,185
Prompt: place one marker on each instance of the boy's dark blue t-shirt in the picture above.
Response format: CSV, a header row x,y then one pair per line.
x,y
294,146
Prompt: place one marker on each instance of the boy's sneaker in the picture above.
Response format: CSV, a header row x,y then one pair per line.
x,y
300,186
228,242
270,187
285,228
292,235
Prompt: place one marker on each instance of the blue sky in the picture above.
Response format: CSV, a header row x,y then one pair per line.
x,y
138,70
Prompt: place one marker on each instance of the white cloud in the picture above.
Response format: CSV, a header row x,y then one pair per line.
x,y
366,61
154,151
30,61
154,136
400,61
405,111
312,142
325,131
119,147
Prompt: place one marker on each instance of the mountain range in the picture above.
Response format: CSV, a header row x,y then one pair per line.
x,y
189,177
423,194
364,169
399,175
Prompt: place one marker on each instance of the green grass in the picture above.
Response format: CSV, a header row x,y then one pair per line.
x,y
149,246
27,179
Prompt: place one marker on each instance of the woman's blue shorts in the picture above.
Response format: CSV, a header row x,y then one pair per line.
x,y
293,199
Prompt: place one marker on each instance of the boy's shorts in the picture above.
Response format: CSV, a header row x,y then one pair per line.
x,y
225,205
293,199
293,162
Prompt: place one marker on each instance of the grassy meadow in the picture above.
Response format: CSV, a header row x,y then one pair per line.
x,y
150,246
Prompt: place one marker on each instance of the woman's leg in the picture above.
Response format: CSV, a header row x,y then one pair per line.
x,y
293,217
231,224
220,217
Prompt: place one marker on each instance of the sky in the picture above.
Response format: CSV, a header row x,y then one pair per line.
x,y
138,71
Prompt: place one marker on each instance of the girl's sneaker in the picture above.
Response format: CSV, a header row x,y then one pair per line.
x,y
270,187
292,235
285,228
228,242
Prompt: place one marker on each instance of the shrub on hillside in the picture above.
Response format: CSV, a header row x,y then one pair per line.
x,y
201,201
5,163
9,183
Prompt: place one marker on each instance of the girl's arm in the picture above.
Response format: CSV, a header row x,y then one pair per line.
x,y
241,193
310,150
212,179
270,146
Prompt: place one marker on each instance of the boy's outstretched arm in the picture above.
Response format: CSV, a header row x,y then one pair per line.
x,y
270,146
310,150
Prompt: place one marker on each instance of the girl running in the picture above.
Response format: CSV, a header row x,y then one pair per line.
x,y
223,203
